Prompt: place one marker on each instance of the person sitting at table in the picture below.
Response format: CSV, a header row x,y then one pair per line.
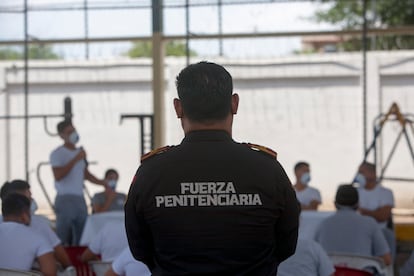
x,y
351,233
308,197
38,223
20,246
109,200
109,243
126,265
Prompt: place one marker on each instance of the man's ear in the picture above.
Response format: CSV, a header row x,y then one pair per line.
x,y
234,103
178,108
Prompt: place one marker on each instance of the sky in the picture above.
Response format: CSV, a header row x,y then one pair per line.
x,y
292,16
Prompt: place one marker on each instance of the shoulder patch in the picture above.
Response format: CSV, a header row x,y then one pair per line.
x,y
263,149
155,152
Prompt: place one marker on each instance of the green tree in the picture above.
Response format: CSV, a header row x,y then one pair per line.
x,y
348,14
40,51
172,48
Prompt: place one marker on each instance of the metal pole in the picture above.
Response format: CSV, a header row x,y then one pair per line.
x,y
364,74
220,22
86,25
158,72
26,93
7,136
187,32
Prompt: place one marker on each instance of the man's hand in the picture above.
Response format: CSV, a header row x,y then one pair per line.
x,y
81,155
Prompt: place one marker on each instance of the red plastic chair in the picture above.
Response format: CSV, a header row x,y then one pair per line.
x,y
74,253
347,271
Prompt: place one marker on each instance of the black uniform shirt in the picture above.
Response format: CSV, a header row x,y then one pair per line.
x,y
211,206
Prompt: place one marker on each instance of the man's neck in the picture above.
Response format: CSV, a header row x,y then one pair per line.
x,y
69,145
225,125
299,186
15,219
370,186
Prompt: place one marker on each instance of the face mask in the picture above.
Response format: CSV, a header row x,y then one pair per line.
x,y
360,179
33,207
112,184
305,179
74,137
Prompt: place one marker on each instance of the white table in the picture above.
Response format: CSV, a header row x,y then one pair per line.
x,y
95,222
309,222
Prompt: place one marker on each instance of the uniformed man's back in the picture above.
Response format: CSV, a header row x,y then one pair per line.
x,y
210,205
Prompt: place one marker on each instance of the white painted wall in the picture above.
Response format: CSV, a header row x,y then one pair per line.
x,y
304,107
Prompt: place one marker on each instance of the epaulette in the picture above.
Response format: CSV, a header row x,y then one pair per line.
x,y
155,152
263,149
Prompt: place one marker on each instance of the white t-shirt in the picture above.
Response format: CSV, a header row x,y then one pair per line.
x,y
72,183
375,198
126,265
307,195
41,225
309,259
20,246
110,241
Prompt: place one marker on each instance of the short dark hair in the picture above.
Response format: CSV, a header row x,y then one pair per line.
x,y
346,195
299,165
62,125
109,171
13,186
15,204
205,90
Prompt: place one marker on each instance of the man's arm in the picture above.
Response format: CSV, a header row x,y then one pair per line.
x,y
387,259
61,172
313,205
381,214
110,272
139,235
110,196
62,256
91,178
47,264
88,255
286,231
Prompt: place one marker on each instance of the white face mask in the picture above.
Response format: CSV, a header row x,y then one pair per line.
x,y
74,137
305,178
112,183
360,179
33,206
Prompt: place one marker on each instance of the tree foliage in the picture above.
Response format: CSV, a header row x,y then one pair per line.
x,y
172,48
348,14
35,52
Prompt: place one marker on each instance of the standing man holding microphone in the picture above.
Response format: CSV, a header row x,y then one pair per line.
x,y
70,169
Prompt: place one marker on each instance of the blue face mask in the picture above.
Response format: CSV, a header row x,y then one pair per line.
x,y
305,178
74,137
360,179
112,183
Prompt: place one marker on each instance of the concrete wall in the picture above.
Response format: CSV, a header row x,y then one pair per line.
x,y
304,107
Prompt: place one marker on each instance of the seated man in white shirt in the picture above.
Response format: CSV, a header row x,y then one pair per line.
x,y
20,245
376,201
309,197
126,265
39,224
109,243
